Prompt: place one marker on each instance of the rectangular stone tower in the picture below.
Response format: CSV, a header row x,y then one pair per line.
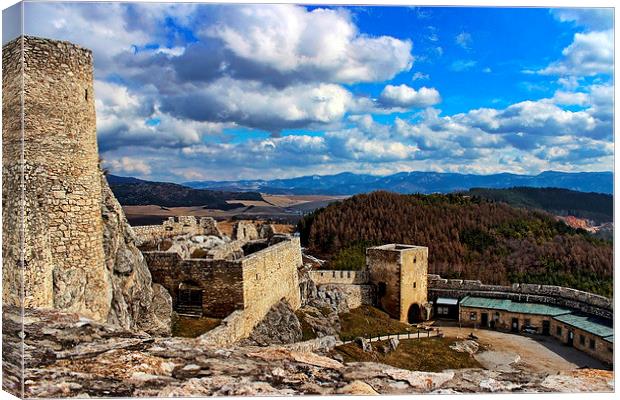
x,y
399,273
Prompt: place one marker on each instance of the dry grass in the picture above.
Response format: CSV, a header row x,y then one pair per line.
x,y
368,321
193,327
433,355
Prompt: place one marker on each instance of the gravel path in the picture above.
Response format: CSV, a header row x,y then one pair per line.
x,y
542,354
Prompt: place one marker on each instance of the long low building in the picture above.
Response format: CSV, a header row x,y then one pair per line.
x,y
589,334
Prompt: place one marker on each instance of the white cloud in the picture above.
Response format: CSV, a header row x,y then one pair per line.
x,y
593,18
464,40
589,54
128,165
407,97
418,76
321,42
463,65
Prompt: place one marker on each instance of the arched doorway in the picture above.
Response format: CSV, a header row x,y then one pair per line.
x,y
414,315
189,298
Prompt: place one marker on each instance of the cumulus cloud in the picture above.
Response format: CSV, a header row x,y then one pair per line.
x,y
406,97
128,165
589,54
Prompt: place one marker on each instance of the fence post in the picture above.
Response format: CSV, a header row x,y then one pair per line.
x,y
418,333
428,334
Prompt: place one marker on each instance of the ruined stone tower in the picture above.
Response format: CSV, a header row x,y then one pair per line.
x,y
399,273
52,180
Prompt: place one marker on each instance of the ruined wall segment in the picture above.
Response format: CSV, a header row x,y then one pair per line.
x,y
64,261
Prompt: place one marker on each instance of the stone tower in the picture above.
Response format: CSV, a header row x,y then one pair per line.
x,y
399,272
52,182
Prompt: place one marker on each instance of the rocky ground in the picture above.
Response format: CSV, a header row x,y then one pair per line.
x,y
66,356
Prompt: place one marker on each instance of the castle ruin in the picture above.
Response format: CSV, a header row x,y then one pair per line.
x,y
66,243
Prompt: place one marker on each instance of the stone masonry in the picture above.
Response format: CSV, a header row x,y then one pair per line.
x,y
54,201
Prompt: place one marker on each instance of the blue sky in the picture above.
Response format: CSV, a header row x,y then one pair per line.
x,y
190,91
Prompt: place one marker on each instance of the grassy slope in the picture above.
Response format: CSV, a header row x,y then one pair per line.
x,y
433,355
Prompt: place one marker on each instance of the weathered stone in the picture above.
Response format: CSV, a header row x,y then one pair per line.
x,y
280,326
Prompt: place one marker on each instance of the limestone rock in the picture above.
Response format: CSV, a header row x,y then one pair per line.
x,y
136,304
69,356
279,326
465,346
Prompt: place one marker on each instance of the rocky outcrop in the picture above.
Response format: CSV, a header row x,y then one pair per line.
x,y
136,302
69,356
280,326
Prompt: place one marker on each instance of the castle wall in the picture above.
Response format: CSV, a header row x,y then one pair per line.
x,y
220,280
240,291
63,259
546,294
323,277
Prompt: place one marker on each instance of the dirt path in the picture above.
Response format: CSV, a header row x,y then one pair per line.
x,y
543,354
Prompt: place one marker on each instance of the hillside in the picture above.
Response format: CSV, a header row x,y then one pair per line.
x,y
414,182
593,206
469,238
133,192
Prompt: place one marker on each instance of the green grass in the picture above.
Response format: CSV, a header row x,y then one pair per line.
x,y
193,327
432,355
368,321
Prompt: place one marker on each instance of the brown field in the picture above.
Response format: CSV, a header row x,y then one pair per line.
x,y
287,209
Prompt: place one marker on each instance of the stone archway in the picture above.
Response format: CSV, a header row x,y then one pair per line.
x,y
414,315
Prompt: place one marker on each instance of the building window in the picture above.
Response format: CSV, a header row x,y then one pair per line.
x,y
414,284
582,340
592,344
558,331
442,310
473,316
415,259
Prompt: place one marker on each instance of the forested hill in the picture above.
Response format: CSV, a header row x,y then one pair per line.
x,y
137,192
469,238
594,206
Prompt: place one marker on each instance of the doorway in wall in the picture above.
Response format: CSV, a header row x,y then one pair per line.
x,y
514,326
414,315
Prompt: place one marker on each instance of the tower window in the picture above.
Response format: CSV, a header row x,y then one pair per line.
x,y
86,94
414,284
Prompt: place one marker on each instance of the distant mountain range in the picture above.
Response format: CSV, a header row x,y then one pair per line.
x,y
138,192
413,182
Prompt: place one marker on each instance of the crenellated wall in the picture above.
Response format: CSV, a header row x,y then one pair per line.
x,y
561,296
323,277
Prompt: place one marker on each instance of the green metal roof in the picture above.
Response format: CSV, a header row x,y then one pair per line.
x,y
511,306
591,325
610,339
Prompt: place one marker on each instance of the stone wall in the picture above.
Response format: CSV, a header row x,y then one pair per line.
x,y
78,252
322,277
556,295
64,263
241,290
221,281
175,226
